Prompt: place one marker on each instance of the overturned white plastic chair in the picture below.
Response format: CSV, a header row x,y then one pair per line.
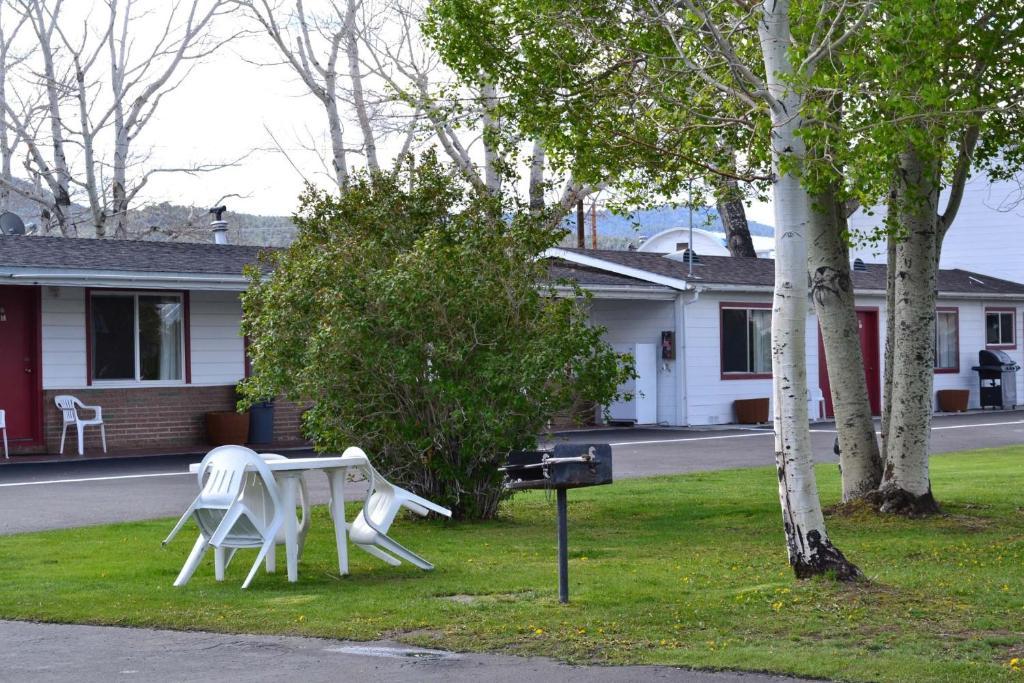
x,y
369,529
226,521
68,406
3,426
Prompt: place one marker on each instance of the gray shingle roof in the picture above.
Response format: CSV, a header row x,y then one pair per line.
x,y
728,270
21,251
559,269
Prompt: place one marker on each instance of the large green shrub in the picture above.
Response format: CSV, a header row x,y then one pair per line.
x,y
414,316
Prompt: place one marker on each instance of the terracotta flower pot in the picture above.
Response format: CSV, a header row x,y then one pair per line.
x,y
227,427
953,400
751,410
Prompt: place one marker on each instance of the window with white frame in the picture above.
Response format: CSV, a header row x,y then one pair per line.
x,y
137,337
746,341
947,340
999,327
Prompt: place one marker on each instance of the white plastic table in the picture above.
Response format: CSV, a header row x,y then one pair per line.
x,y
288,472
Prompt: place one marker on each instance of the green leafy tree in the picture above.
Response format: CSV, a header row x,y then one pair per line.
x,y
654,93
414,315
932,94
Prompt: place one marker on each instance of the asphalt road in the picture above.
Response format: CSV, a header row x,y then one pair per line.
x,y
38,496
96,654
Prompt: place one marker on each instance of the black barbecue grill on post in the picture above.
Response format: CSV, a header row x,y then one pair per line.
x,y
997,376
566,466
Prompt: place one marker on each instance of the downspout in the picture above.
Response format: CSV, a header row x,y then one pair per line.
x,y
682,383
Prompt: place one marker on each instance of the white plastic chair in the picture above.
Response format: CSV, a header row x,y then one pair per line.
x,y
3,426
225,520
256,497
368,530
68,406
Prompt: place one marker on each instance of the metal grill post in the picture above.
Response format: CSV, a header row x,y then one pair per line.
x,y
563,547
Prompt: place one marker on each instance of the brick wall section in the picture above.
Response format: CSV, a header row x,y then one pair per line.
x,y
156,417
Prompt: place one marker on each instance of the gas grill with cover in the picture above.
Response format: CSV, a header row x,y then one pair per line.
x,y
997,375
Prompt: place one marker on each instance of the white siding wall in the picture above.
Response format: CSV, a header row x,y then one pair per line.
x,y
217,348
985,237
63,334
971,337
972,340
709,397
218,351
630,322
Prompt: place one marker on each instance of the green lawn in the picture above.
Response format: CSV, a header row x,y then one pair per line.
x,y
687,570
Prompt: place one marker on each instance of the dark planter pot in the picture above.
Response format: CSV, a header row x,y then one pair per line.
x,y
227,427
751,410
953,400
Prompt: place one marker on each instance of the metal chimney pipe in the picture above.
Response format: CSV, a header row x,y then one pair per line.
x,y
219,226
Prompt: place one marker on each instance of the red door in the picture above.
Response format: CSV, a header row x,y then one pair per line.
x,y
20,389
867,325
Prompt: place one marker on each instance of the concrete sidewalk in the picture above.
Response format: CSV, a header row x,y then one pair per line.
x,y
101,654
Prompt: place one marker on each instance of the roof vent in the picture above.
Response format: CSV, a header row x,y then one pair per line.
x,y
219,226
690,256
858,266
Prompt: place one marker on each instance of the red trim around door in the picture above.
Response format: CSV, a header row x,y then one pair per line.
x,y
874,383
23,397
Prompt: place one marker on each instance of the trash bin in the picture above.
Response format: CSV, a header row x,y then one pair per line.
x,y
261,422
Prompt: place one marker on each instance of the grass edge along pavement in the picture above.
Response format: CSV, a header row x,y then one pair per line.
x,y
685,570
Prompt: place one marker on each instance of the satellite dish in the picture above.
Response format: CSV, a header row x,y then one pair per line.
x,y
11,224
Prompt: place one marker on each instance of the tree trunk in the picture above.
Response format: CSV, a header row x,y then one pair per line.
x,y
356,76
832,293
890,335
6,153
338,158
737,230
537,179
810,550
88,141
729,203
118,189
492,131
906,486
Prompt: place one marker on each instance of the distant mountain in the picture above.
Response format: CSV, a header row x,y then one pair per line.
x,y
615,231
166,221
649,222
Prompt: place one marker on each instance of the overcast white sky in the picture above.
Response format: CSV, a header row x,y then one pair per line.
x,y
222,112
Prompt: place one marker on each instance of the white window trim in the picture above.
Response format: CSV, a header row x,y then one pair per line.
x,y
1000,312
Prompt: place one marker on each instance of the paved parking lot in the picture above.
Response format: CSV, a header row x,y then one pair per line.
x,y
76,493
